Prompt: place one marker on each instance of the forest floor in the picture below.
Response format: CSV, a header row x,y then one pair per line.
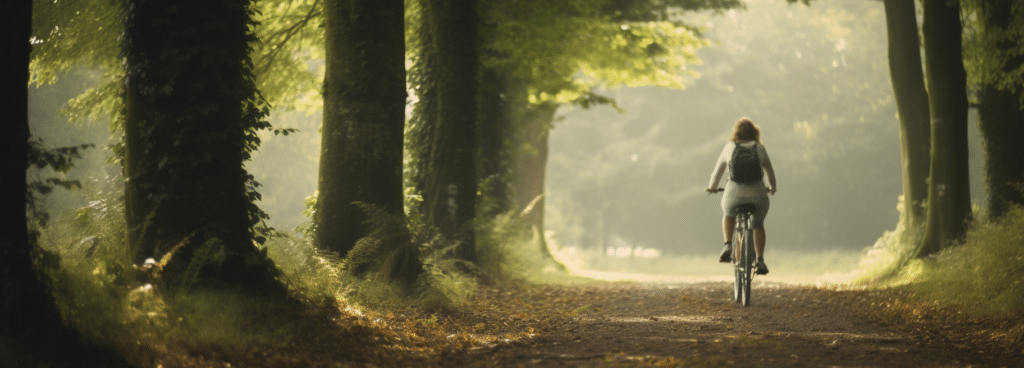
x,y
618,324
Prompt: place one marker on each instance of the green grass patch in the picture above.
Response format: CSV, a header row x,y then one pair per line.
x,y
984,275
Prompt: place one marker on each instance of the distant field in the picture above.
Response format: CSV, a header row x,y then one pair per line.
x,y
822,267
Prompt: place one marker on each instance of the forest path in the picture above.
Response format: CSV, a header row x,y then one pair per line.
x,y
696,324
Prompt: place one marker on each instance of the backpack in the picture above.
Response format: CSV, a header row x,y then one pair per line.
x,y
745,166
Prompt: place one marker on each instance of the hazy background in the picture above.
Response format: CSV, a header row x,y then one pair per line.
x,y
815,79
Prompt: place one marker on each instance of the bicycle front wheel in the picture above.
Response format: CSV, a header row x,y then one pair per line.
x,y
738,285
748,265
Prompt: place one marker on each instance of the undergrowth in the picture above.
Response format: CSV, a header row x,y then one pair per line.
x,y
979,275
984,274
102,294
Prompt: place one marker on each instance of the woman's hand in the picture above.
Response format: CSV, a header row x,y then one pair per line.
x,y
709,190
771,191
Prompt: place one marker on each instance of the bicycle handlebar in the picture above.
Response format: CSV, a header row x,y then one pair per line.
x,y
710,192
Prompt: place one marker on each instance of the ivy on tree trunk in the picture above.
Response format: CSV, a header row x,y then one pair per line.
x,y
1002,121
191,116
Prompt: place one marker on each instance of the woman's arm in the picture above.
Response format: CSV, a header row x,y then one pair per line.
x,y
719,170
767,164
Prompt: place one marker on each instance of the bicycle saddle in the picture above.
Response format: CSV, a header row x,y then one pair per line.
x,y
748,208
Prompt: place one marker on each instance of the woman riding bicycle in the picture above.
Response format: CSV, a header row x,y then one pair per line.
x,y
746,137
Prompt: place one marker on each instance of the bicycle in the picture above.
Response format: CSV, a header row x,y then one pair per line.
x,y
743,252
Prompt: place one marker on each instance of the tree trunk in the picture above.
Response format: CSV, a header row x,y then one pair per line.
x,y
949,201
364,118
912,104
530,155
450,186
28,312
191,115
1002,126
32,332
495,130
1002,123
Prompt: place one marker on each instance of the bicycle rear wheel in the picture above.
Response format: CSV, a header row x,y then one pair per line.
x,y
737,244
747,260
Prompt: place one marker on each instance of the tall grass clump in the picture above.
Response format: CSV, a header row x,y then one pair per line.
x,y
984,274
312,275
508,249
84,259
890,261
400,263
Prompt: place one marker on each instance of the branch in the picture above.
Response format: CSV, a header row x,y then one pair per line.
x,y
291,31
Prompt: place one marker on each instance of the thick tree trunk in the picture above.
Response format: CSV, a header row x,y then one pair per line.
x,y
450,185
364,118
1002,123
28,315
1002,126
949,201
32,332
912,104
191,113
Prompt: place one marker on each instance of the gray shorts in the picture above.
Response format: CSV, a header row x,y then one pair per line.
x,y
737,194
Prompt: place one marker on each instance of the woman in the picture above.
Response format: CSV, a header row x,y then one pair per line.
x,y
746,137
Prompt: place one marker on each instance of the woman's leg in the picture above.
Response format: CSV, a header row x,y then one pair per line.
x,y
728,226
759,242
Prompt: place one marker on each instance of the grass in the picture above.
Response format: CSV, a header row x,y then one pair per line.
x,y
984,274
980,275
98,291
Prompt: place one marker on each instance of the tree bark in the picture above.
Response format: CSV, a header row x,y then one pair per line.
x,y
1002,123
31,328
28,312
364,118
531,159
495,131
450,186
949,201
911,103
191,114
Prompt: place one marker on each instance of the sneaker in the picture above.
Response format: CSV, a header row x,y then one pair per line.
x,y
761,269
726,256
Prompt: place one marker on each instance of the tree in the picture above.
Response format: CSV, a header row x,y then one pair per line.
x,y
912,104
449,65
191,116
551,53
949,201
32,331
995,59
364,118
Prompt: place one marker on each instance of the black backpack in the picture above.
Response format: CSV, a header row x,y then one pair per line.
x,y
745,166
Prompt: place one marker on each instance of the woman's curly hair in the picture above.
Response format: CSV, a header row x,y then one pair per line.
x,y
746,130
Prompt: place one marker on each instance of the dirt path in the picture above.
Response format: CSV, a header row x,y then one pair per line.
x,y
695,324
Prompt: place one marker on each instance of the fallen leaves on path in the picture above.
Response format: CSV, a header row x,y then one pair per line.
x,y
632,324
